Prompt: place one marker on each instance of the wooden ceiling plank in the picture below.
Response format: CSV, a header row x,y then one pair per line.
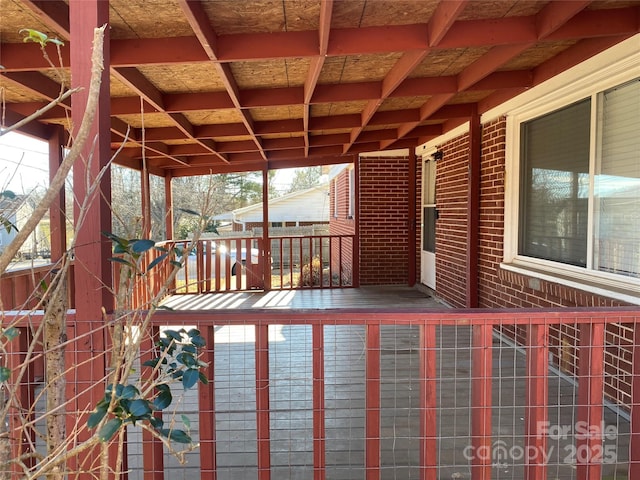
x,y
330,93
261,46
33,128
135,80
489,63
221,130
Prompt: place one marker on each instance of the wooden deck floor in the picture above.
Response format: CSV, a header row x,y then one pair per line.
x,y
371,297
290,389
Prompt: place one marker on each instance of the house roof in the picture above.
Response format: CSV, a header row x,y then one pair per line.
x,y
311,204
233,85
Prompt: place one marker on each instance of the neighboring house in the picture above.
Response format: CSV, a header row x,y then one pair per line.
x,y
297,209
16,211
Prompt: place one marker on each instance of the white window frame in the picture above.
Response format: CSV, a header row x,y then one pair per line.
x,y
574,86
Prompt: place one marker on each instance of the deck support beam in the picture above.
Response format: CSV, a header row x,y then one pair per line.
x,y
473,209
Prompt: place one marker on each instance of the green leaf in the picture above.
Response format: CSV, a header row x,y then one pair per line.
x,y
164,398
203,378
139,408
173,334
156,422
198,341
11,333
156,261
122,260
141,246
56,41
190,378
129,392
186,422
8,194
109,429
178,436
96,417
5,374
151,363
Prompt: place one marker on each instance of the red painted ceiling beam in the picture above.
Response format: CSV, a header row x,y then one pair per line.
x,y
198,19
442,20
160,51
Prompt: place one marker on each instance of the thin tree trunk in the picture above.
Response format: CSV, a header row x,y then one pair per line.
x,y
55,337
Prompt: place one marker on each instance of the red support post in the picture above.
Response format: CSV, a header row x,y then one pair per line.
x,y
57,217
412,218
428,404
634,440
262,402
207,403
481,377
372,403
589,434
537,394
319,435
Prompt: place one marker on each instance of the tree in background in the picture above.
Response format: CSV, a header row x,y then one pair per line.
x,y
305,178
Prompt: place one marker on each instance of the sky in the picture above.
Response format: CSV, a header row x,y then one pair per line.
x,y
24,163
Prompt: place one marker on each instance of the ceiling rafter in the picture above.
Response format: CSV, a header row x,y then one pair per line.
x,y
196,17
441,21
342,42
551,17
315,67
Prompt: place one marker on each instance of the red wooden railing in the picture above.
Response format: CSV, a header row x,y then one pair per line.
x,y
22,289
535,325
590,386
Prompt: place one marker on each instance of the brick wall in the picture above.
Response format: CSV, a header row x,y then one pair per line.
x,y
341,223
505,289
384,220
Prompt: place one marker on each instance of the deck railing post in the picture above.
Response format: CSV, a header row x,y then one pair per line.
x,y
589,448
481,379
207,409
319,435
428,404
262,402
372,403
537,389
634,440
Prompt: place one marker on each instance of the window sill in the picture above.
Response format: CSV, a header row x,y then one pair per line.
x,y
623,290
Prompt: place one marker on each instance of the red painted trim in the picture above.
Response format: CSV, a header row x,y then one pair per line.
x,y
355,255
428,404
262,402
412,218
481,401
589,453
372,403
537,389
57,210
207,407
319,435
634,439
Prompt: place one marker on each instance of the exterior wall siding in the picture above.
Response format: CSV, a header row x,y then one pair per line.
x,y
499,288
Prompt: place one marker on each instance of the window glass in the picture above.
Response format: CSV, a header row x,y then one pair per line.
x,y
555,185
617,182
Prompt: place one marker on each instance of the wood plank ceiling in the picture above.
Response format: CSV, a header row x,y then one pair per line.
x,y
230,85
